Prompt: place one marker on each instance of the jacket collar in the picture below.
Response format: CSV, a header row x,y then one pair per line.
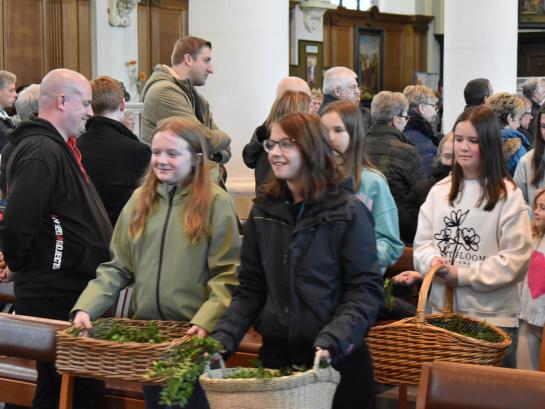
x,y
381,130
97,123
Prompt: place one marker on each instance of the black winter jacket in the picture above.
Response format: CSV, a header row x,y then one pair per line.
x,y
398,160
314,282
115,160
55,231
255,157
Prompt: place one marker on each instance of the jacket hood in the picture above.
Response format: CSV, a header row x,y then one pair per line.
x,y
35,126
162,73
98,123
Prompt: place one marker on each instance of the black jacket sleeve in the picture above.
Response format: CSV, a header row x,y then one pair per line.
x,y
249,296
31,189
254,149
363,288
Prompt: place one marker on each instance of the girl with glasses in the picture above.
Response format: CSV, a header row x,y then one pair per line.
x,y
309,276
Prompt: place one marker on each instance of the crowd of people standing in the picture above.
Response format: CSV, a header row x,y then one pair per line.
x,y
89,209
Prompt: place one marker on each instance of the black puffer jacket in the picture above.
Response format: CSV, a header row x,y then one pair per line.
x,y
398,160
311,283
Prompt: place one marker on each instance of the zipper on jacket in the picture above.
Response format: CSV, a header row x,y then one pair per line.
x,y
161,249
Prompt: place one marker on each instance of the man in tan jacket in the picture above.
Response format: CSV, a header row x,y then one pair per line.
x,y
170,91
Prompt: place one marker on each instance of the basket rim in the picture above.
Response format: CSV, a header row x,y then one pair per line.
x,y
63,335
327,375
414,322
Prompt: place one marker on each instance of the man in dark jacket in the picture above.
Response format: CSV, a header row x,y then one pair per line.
x,y
419,129
7,99
112,155
55,231
392,152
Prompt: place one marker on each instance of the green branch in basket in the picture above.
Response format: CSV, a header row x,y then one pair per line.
x,y
120,332
389,294
182,367
472,329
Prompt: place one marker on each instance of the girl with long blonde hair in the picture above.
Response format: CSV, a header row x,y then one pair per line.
x,y
176,241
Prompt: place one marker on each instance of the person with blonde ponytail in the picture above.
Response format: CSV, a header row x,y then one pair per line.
x,y
176,241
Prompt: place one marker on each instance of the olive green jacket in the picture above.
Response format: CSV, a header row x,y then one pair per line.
x,y
165,96
173,279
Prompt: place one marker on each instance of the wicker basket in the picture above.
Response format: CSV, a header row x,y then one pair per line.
x,y
313,389
127,361
399,349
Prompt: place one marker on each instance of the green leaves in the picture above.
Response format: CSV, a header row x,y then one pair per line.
x,y
467,328
181,368
388,294
119,332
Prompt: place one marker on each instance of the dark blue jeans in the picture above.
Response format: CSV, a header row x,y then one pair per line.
x,y
196,401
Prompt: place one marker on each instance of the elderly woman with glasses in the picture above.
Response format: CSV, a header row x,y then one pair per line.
x,y
419,129
392,153
509,110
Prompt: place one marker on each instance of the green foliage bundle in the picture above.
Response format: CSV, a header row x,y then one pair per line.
x,y
389,294
467,328
120,332
182,367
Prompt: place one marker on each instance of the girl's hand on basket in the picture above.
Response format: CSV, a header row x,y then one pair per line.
x,y
407,278
324,353
198,331
449,275
82,319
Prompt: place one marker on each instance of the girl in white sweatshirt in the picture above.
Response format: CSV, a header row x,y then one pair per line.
x,y
532,312
475,223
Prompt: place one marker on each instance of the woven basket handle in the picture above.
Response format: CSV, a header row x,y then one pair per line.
x,y
317,358
423,295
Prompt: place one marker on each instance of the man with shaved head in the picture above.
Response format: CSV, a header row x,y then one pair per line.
x,y
295,84
55,231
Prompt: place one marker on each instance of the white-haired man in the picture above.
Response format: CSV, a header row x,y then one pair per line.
x,y
340,83
7,99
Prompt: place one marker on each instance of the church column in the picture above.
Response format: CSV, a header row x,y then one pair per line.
x,y
480,41
250,44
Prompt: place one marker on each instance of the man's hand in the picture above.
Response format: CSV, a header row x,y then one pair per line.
x,y
407,278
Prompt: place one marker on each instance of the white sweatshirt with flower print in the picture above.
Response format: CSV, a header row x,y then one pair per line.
x,y
490,248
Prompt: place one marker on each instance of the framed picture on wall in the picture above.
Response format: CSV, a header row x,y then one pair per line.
x,y
311,62
369,60
532,13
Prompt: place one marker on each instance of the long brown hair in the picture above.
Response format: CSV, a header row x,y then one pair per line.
x,y
492,170
536,232
196,208
538,163
355,156
320,172
288,102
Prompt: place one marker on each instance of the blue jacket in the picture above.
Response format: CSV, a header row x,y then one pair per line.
x,y
375,194
421,134
512,150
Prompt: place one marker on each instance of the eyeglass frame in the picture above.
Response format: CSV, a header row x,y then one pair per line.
x,y
352,87
406,117
432,105
275,143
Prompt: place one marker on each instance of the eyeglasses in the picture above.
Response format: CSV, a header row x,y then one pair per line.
x,y
352,87
528,113
432,105
406,117
285,145
542,126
